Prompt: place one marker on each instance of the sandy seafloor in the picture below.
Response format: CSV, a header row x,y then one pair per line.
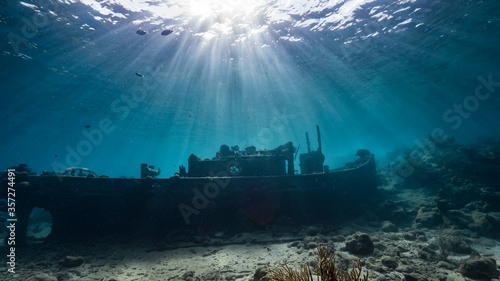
x,y
408,242
111,260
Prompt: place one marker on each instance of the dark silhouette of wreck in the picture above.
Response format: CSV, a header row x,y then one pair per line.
x,y
235,191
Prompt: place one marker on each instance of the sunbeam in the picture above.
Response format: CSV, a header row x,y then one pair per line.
x,y
176,77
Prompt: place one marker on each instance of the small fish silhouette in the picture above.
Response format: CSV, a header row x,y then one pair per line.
x,y
139,74
141,32
166,32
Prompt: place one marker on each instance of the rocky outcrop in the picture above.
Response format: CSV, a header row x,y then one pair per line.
x,y
465,178
429,218
478,267
359,243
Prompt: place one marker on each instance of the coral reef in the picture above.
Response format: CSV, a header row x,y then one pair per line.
x,y
463,179
325,270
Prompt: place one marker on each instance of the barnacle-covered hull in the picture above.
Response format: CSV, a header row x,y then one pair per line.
x,y
91,206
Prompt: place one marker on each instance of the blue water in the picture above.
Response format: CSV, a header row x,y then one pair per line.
x,y
80,86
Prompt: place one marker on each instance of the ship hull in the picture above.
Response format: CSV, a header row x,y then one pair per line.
x,y
148,207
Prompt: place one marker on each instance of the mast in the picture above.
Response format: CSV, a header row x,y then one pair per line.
x,y
308,144
319,139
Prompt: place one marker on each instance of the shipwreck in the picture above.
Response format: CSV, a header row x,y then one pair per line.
x,y
237,190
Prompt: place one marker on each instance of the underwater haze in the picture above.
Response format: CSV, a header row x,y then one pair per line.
x,y
110,84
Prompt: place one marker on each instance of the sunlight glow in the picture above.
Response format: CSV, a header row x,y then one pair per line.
x,y
214,8
224,16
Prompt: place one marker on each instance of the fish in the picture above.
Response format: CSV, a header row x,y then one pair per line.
x,y
166,32
139,74
141,32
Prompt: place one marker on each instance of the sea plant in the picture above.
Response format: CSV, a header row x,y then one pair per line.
x,y
325,270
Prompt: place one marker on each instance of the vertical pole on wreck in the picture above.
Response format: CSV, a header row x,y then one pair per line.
x,y
308,143
290,150
319,139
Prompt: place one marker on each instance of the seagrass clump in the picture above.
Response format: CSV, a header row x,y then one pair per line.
x,y
325,270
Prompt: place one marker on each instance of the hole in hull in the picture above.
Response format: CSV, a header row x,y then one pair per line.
x,y
39,224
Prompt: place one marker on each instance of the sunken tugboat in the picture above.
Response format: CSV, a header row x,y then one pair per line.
x,y
236,191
